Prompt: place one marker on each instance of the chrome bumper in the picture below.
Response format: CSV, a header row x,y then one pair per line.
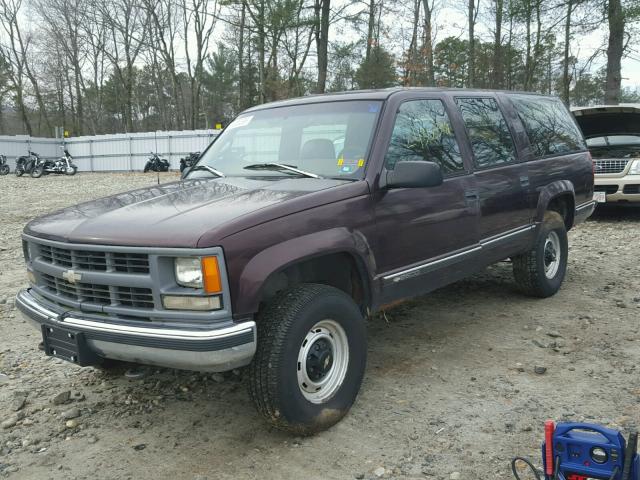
x,y
211,350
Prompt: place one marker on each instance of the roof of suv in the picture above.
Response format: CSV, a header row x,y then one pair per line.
x,y
380,94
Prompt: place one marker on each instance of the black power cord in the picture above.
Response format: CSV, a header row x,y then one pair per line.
x,y
526,462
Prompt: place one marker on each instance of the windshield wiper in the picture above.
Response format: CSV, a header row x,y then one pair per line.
x,y
281,166
209,169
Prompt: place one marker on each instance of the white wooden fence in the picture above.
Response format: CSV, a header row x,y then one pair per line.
x,y
119,152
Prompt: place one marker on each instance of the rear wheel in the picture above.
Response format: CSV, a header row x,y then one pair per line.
x,y
4,169
540,271
19,171
37,172
310,360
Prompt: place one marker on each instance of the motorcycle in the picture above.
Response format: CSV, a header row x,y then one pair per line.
x,y
156,164
4,168
189,161
26,163
62,166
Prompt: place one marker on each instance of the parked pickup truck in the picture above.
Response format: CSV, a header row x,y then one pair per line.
x,y
301,219
613,137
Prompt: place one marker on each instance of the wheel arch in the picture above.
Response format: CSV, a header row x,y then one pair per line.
x,y
558,196
336,257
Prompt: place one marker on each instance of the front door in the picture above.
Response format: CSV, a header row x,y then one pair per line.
x,y
421,230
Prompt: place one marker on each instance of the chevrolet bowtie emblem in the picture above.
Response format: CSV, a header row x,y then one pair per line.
x,y
71,276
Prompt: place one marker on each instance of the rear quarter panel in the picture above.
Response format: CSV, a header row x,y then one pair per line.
x,y
550,177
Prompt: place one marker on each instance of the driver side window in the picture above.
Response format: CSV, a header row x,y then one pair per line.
x,y
423,132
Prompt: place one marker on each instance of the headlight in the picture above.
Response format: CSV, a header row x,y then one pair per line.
x,y
635,168
189,272
196,272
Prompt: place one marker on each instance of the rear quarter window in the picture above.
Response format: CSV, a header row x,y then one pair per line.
x,y
549,126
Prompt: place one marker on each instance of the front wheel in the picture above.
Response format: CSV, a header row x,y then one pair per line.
x,y
311,358
540,271
37,172
4,170
71,170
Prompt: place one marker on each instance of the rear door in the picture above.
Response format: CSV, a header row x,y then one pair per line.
x,y
502,180
423,230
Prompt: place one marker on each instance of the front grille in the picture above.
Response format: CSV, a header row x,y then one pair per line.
x,y
95,261
631,189
98,294
608,189
610,166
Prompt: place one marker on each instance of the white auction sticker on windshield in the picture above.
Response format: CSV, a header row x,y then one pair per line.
x,y
240,122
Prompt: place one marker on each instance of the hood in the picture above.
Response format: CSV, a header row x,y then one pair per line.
x,y
608,120
174,214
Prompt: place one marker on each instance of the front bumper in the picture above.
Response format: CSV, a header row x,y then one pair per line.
x,y
619,189
204,349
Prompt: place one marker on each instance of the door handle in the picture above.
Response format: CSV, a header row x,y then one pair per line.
x,y
471,197
524,180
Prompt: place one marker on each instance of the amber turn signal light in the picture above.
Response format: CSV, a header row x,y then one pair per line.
x,y
211,275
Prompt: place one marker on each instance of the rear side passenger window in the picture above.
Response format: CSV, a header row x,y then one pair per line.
x,y
549,126
489,133
422,131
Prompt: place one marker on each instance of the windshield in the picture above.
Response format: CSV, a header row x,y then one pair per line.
x,y
322,139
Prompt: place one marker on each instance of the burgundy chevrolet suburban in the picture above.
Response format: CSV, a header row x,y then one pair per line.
x,y
302,218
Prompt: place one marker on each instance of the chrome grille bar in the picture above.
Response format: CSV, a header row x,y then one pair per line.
x,y
610,166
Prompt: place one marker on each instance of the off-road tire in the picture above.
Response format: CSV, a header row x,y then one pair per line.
x,y
4,169
529,267
283,326
37,172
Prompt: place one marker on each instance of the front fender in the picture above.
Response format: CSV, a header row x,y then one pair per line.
x,y
280,256
549,193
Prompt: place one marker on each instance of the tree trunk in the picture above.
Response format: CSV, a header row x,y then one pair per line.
x,y
241,85
566,80
410,67
428,42
528,61
370,27
497,46
472,43
614,53
323,9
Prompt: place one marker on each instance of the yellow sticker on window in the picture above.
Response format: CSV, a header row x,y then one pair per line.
x,y
361,162
340,161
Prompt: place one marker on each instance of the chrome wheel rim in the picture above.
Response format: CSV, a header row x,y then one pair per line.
x,y
323,360
552,255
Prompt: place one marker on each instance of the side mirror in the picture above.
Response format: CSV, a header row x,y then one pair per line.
x,y
184,173
415,174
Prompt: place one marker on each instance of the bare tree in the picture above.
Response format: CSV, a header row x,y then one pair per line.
x,y
18,50
198,24
127,25
615,51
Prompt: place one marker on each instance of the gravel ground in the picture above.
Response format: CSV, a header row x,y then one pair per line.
x,y
451,389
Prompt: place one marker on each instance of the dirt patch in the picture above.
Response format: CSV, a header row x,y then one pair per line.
x,y
450,389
